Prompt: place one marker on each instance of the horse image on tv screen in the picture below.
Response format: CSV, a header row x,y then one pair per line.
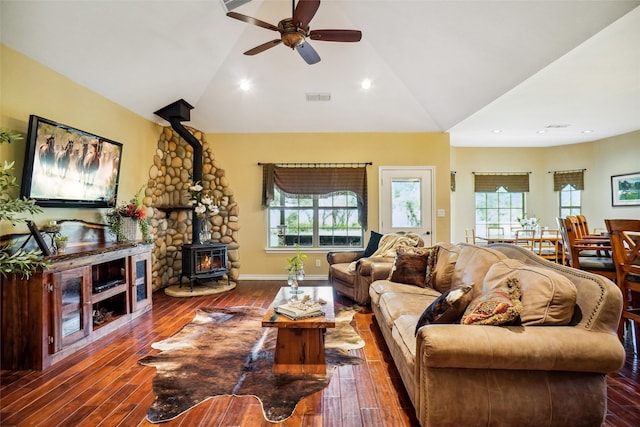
x,y
72,165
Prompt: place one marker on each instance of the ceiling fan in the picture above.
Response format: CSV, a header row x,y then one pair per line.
x,y
294,31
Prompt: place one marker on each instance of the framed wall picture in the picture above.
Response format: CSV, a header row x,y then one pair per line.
x,y
625,189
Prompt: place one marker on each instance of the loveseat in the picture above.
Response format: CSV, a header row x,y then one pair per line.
x,y
546,368
352,272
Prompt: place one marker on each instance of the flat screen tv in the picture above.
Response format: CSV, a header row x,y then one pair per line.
x,y
68,167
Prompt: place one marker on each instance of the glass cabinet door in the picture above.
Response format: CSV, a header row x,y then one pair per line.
x,y
140,282
71,311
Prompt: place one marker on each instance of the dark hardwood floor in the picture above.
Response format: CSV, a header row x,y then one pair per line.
x,y
104,385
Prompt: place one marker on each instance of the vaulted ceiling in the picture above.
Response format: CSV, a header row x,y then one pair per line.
x,y
491,73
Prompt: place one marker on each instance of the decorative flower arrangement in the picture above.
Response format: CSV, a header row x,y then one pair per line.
x,y
133,209
528,222
202,201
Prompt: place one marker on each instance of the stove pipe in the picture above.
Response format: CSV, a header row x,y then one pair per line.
x,y
176,113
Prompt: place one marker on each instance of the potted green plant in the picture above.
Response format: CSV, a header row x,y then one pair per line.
x,y
61,243
19,261
295,268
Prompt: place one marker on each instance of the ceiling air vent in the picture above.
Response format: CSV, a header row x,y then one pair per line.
x,y
561,126
318,97
232,4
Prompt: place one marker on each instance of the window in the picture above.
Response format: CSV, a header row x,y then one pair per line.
x,y
317,221
570,201
569,185
498,208
315,205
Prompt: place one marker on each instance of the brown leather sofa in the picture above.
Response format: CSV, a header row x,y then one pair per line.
x,y
543,372
350,273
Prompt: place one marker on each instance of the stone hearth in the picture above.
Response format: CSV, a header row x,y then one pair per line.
x,y
167,193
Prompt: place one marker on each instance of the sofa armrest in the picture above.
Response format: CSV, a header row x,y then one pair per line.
x,y
548,348
343,257
381,270
366,265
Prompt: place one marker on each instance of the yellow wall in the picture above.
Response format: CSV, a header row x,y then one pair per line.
x,y
239,155
30,88
601,159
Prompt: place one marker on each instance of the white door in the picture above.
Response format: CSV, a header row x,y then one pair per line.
x,y
406,201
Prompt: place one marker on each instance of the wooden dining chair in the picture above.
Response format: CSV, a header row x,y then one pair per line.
x,y
526,238
625,243
582,229
549,246
586,254
470,235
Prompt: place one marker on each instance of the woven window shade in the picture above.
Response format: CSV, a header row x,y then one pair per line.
x,y
574,178
513,183
316,180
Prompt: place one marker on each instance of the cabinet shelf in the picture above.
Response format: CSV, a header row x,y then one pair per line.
x,y
101,296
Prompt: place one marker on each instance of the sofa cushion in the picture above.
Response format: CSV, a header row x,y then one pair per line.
x,y
372,246
548,297
446,258
381,287
500,306
447,308
410,265
395,304
472,265
402,335
343,273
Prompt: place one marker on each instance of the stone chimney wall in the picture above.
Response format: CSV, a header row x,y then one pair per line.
x,y
167,193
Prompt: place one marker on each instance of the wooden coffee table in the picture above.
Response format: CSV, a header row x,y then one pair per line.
x,y
300,343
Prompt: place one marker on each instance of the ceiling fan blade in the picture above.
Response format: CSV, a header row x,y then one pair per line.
x,y
250,20
336,35
263,47
304,12
308,53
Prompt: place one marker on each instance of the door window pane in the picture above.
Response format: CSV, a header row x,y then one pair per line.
x,y
406,203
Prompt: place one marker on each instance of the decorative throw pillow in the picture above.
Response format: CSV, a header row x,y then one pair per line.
x,y
500,306
441,277
447,308
548,297
410,265
372,246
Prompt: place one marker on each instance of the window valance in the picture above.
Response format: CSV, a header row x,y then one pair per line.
x,y
316,180
574,178
491,182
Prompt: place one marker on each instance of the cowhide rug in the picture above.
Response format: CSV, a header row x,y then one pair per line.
x,y
226,351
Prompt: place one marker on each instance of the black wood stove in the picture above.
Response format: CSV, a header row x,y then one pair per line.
x,y
204,261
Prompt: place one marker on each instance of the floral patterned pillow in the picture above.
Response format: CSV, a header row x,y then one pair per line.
x,y
499,306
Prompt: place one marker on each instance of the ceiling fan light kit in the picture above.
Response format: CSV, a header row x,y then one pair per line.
x,y
294,31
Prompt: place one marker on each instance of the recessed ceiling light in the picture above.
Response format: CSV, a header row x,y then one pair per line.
x,y
587,131
366,84
541,131
497,131
245,85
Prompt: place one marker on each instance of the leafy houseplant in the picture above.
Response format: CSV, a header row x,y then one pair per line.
x,y
18,261
295,268
133,210
61,243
